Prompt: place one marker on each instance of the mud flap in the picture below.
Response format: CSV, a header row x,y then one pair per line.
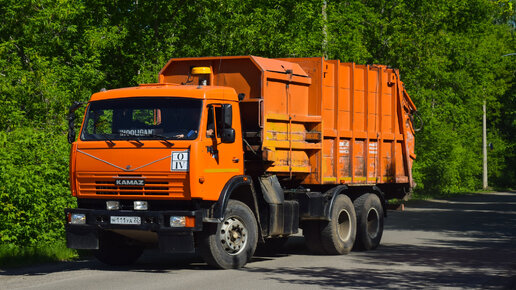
x,y
178,242
85,239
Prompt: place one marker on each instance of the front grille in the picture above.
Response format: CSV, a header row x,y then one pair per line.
x,y
172,185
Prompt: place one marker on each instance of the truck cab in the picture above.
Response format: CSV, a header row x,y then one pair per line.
x,y
149,163
228,152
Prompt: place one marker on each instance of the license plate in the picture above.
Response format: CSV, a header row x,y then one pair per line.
x,y
126,220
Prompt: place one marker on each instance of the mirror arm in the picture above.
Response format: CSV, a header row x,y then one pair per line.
x,y
71,120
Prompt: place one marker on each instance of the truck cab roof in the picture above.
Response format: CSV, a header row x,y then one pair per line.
x,y
169,90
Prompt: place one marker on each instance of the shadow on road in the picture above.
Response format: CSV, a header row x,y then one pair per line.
x,y
470,243
152,262
474,246
326,277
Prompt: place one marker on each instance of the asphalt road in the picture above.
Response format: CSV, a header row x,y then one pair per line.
x,y
464,242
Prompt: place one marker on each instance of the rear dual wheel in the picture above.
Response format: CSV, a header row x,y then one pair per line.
x,y
370,218
334,237
338,236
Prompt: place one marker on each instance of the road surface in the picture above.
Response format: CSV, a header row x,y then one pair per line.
x,y
463,242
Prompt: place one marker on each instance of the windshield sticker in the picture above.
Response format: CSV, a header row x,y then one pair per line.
x,y
136,132
179,161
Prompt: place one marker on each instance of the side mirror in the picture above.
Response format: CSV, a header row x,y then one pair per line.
x,y
71,121
227,115
228,135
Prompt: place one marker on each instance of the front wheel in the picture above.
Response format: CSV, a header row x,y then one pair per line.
x,y
231,243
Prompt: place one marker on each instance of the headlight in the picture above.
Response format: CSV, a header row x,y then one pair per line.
x,y
140,205
112,205
78,219
177,221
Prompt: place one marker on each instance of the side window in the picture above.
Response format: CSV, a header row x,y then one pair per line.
x,y
215,120
210,125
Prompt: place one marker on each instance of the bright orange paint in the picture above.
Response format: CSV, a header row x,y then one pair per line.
x,y
313,120
97,163
321,121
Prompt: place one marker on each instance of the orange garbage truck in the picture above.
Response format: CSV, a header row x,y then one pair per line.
x,y
227,153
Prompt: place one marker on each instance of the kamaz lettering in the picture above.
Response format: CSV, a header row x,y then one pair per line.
x,y
130,182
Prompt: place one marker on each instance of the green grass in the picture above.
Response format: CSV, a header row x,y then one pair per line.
x,y
14,256
425,196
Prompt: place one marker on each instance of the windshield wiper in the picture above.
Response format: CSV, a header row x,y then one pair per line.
x,y
108,140
134,137
137,140
163,138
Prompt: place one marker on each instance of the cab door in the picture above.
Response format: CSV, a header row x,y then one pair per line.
x,y
221,152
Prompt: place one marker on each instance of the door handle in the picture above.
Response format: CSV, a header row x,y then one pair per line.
x,y
235,160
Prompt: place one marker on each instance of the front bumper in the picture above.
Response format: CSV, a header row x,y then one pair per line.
x,y
170,239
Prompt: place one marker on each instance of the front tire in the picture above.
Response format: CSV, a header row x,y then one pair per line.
x,y
338,235
231,243
370,218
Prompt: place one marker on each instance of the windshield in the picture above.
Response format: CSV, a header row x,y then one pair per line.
x,y
143,119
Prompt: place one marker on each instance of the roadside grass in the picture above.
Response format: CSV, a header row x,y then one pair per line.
x,y
503,189
397,204
12,256
442,195
425,196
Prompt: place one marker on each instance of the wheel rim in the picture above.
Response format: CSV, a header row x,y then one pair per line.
x,y
373,223
344,226
233,235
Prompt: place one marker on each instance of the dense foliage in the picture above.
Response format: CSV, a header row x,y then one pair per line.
x,y
55,52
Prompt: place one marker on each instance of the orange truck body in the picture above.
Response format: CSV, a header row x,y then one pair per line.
x,y
285,137
319,121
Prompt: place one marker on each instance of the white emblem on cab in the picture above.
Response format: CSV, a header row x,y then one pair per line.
x,y
179,161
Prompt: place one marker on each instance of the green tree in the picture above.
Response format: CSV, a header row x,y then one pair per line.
x,y
55,52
